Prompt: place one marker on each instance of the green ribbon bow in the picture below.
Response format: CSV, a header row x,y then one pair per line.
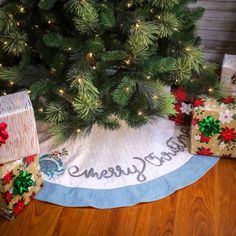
x,y
22,183
209,126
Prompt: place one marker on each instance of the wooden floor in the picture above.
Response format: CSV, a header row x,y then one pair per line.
x,y
207,207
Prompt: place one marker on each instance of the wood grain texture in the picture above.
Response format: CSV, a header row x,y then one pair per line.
x,y
206,208
217,28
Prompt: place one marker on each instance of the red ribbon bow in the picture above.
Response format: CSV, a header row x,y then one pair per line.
x,y
3,133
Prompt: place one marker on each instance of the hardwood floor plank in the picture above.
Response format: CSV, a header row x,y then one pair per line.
x,y
195,208
208,207
38,219
226,197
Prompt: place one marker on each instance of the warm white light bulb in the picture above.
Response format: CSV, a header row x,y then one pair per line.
x,y
61,91
22,9
129,5
210,90
188,49
127,61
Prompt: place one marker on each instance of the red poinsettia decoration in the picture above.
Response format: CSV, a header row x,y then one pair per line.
x,y
228,135
204,151
179,119
3,133
7,196
195,121
229,99
177,107
29,159
18,207
180,94
204,139
7,178
199,102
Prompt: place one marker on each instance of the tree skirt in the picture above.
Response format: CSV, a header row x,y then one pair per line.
x,y
108,169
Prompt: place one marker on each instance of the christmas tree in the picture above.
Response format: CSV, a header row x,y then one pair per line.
x,y
87,62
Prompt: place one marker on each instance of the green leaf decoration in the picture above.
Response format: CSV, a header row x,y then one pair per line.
x,y
107,17
46,4
114,56
15,43
56,113
164,4
87,108
164,65
87,20
7,22
167,24
38,88
145,31
124,91
53,40
181,71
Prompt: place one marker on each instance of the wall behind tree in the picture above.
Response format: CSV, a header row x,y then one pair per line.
x,y
217,28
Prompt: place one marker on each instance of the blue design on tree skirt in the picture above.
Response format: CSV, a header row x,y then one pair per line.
x,y
51,164
149,191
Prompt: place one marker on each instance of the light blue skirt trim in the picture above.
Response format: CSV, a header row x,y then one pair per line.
x,y
131,195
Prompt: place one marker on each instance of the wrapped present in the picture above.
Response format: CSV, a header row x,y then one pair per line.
x,y
228,73
213,130
18,134
19,182
183,106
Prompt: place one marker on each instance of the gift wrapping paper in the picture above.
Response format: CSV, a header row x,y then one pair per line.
x,y
213,129
18,131
20,180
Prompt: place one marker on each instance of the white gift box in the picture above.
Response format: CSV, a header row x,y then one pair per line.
x,y
17,112
228,73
